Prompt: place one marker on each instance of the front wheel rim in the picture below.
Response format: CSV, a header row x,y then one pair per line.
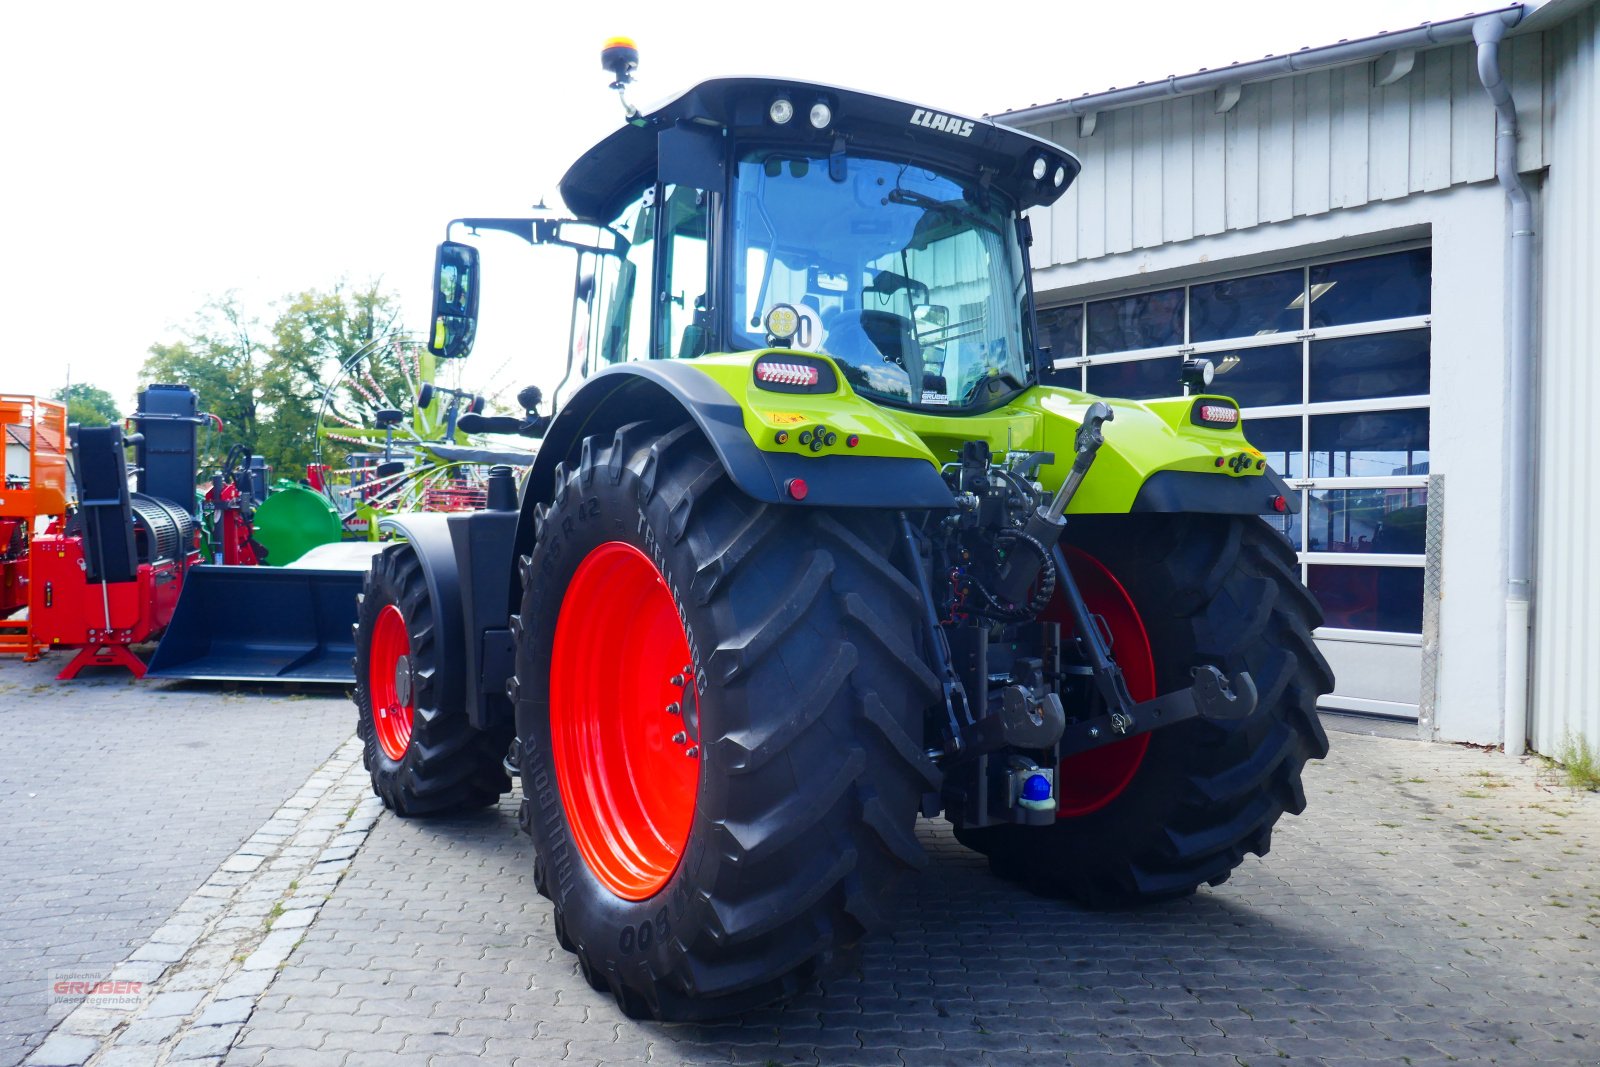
x,y
389,682
623,720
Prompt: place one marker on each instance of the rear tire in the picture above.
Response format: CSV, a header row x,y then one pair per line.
x,y
1209,589
808,691
435,762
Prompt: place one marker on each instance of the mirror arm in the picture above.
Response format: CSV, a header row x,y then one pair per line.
x,y
540,232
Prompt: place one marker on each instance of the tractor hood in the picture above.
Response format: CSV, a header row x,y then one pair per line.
x,y
604,178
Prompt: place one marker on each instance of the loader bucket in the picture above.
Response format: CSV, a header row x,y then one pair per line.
x,y
267,624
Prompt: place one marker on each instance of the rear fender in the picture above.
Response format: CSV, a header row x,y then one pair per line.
x,y
1156,458
668,391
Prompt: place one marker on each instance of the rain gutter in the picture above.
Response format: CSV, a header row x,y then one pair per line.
x,y
1486,34
1428,35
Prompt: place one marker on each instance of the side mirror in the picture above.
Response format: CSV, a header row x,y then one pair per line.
x,y
455,301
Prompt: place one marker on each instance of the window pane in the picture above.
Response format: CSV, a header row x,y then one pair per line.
x,y
1368,598
1246,307
1288,524
1140,379
683,313
1061,331
1367,520
1279,441
1377,287
1256,377
1148,320
1380,364
1369,444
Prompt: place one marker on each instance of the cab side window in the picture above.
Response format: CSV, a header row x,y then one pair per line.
x,y
684,304
621,321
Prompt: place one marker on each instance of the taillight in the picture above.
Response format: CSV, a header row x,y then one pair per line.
x,y
792,373
786,373
1214,413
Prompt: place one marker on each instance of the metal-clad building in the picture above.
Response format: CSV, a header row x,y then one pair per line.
x,y
1330,230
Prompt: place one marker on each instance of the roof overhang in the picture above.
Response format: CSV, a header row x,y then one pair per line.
x,y
611,173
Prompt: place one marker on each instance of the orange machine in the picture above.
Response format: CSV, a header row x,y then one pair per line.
x,y
35,486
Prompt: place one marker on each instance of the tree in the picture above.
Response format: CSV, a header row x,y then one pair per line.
x,y
220,358
266,383
315,333
88,405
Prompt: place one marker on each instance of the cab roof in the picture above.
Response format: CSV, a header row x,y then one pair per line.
x,y
611,173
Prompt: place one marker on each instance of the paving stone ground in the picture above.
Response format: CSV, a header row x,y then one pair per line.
x,y
119,799
1435,904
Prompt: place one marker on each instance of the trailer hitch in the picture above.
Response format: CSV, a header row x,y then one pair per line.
x,y
1212,695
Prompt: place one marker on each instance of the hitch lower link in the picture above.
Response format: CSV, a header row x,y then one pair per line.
x,y
1211,696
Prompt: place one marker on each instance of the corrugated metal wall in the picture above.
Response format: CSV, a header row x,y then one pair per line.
x,y
1303,145
1566,695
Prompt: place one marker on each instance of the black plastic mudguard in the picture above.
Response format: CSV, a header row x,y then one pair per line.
x,y
467,562
1214,494
630,392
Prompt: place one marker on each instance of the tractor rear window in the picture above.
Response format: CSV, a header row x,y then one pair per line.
x,y
913,288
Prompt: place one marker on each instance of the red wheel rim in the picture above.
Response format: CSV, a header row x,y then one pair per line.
x,y
389,682
627,767
1090,780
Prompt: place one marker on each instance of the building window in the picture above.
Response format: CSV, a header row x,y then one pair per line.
x,y
1331,362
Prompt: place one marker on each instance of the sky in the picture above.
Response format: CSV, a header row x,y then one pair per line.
x,y
160,154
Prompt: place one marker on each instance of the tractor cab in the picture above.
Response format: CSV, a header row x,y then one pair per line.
x,y
757,213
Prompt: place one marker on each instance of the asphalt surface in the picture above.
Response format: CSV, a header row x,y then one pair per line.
x,y
120,798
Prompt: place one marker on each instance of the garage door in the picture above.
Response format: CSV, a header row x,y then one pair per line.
x,y
1330,360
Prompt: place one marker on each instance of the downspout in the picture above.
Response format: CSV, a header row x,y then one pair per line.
x,y
1487,33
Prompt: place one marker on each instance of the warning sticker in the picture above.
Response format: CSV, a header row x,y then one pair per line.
x,y
785,418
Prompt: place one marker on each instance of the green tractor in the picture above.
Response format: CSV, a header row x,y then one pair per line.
x,y
808,552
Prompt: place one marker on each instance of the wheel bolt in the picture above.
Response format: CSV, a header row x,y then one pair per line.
x,y
674,709
679,738
688,670
692,751
676,681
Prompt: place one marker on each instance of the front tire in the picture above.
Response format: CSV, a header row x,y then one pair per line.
x,y
696,895
1156,816
423,755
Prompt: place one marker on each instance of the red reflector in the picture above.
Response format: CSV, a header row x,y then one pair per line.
x,y
786,373
852,440
1280,505
1220,461
797,488
1222,413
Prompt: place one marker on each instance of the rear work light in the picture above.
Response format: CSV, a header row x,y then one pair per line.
x,y
791,373
1214,413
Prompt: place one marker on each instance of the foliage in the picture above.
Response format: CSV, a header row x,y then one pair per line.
x,y
265,382
88,405
1580,763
